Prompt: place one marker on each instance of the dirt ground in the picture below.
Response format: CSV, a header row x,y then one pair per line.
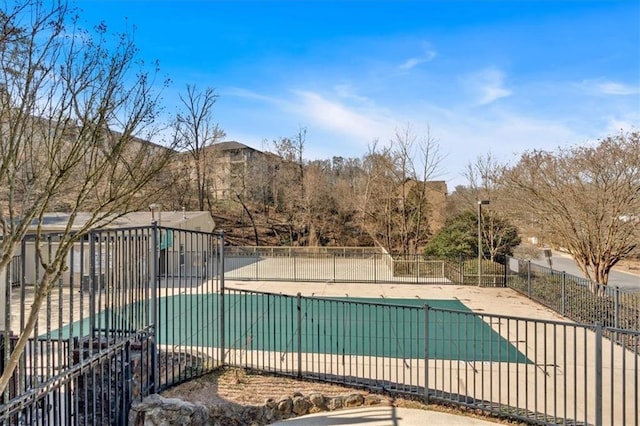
x,y
242,387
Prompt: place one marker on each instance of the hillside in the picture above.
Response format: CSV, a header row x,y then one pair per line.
x,y
272,229
239,231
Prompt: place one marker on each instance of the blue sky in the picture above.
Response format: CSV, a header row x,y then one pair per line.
x,y
497,77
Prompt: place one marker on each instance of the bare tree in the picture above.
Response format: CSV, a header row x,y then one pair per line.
x,y
240,187
289,185
196,131
71,105
499,236
587,198
319,206
483,184
482,176
419,159
347,190
396,208
261,187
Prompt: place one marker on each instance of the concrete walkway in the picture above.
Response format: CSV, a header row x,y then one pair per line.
x,y
495,300
384,416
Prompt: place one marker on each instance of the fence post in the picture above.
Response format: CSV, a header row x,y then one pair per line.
x,y
426,353
295,272
529,279
257,260
564,293
127,385
299,299
221,313
334,267
375,267
505,269
155,245
92,283
5,299
598,372
617,308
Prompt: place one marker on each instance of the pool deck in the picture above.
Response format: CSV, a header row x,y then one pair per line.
x,y
489,300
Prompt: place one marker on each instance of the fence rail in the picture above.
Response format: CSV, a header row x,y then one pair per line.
x,y
289,251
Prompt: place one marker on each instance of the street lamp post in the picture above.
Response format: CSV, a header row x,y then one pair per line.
x,y
156,208
480,204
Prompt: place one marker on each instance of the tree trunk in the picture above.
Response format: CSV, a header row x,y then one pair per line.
x,y
253,222
14,358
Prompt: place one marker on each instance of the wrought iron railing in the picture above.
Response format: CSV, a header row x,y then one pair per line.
x,y
575,298
131,316
537,371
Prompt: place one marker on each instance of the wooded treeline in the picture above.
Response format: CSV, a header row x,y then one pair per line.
x,y
386,197
584,199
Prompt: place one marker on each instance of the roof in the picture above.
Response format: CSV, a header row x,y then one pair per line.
x,y
231,145
171,219
433,185
52,222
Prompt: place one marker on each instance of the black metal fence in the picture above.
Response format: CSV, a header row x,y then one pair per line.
x,y
541,372
134,314
353,264
109,331
575,297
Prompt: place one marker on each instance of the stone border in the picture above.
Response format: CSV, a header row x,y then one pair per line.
x,y
155,409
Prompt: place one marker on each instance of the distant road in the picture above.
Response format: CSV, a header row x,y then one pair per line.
x,y
564,262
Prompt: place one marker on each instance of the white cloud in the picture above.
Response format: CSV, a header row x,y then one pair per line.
x,y
428,55
625,122
363,123
348,92
341,118
248,94
345,120
611,88
606,87
487,85
462,136
505,136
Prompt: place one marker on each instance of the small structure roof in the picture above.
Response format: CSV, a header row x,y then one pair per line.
x,y
52,222
171,219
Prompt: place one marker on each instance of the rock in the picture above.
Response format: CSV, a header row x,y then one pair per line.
x,y
156,410
301,405
353,400
269,416
285,406
335,403
270,403
318,400
372,400
252,416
